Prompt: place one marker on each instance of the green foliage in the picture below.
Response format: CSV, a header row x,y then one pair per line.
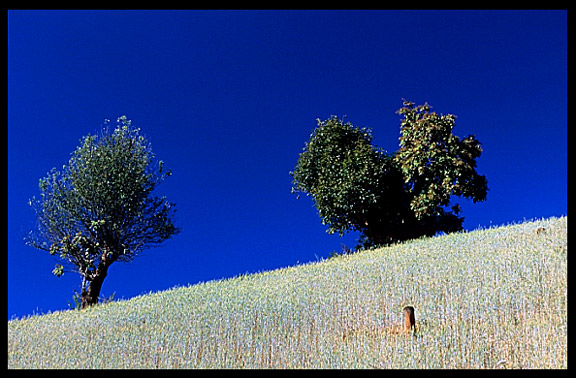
x,y
99,208
389,197
343,173
58,270
435,163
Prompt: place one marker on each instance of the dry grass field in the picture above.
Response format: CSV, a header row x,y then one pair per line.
x,y
491,298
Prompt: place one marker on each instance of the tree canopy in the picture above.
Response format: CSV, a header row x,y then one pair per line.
x,y
390,197
100,208
437,164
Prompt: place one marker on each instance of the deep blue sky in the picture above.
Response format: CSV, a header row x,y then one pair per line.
x,y
228,98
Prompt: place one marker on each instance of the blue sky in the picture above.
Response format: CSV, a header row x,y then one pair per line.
x,y
228,99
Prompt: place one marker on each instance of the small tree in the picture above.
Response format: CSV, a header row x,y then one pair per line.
x,y
389,197
99,209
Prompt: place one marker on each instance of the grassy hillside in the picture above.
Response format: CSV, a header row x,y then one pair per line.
x,y
494,298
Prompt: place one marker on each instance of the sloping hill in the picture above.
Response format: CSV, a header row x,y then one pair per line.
x,y
484,299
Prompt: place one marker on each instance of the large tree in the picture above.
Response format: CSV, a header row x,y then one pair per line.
x,y
100,208
389,197
355,185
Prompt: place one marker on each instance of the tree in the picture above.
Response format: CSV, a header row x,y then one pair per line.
x,y
435,163
100,209
388,197
351,181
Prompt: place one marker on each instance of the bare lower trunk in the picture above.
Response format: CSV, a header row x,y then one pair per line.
x,y
89,296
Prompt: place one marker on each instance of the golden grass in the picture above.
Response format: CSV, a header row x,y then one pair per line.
x,y
493,298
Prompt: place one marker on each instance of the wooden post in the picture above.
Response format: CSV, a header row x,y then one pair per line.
x,y
410,319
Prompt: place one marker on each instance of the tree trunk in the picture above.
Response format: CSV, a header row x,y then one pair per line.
x,y
90,295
